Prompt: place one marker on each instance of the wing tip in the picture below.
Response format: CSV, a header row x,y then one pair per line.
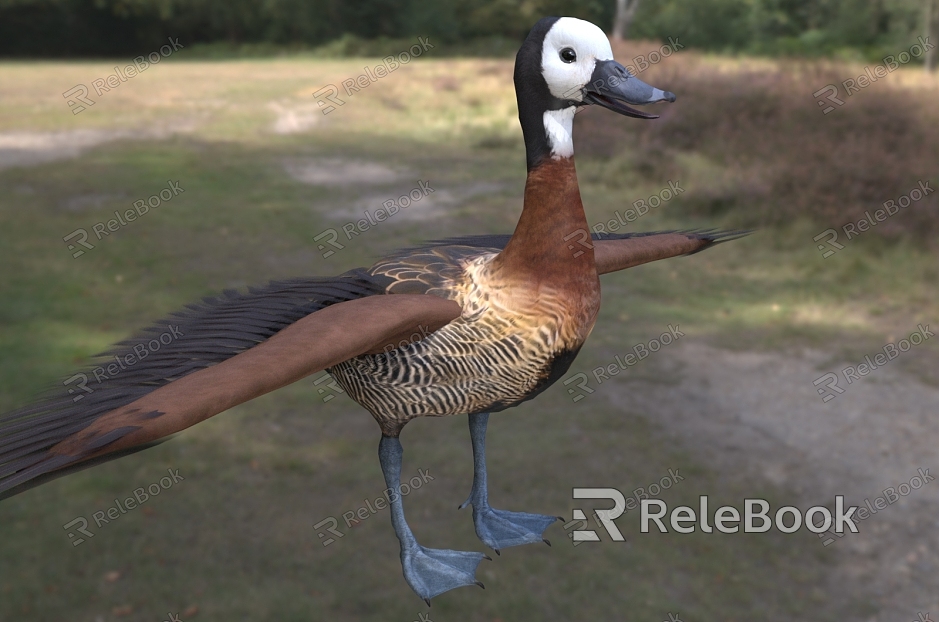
x,y
54,467
714,237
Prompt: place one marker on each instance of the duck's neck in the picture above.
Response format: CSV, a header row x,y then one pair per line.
x,y
552,238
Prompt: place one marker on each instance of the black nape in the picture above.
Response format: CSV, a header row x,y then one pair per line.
x,y
533,95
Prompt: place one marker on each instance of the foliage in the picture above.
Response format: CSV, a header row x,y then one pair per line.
x,y
105,27
122,27
805,27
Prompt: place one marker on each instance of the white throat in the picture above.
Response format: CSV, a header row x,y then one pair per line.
x,y
559,126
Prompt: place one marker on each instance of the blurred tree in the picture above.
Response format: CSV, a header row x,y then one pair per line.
x,y
625,11
131,27
709,24
931,19
783,26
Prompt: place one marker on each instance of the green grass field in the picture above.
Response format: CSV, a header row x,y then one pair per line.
x,y
244,140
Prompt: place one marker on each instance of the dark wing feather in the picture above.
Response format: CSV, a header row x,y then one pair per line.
x,y
315,342
203,335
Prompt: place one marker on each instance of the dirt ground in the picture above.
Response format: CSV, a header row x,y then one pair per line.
x,y
31,148
757,415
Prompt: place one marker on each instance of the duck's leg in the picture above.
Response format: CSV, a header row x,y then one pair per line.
x,y
429,572
498,529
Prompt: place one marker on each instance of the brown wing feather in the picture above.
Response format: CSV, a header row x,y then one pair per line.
x,y
619,250
311,344
618,254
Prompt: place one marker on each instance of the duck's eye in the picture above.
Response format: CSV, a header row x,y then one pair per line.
x,y
568,55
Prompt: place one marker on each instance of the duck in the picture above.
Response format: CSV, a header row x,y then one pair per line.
x,y
466,326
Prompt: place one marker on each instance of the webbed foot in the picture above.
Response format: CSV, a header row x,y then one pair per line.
x,y
499,529
431,572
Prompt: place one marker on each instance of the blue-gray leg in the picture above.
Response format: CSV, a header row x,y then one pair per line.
x,y
498,529
429,572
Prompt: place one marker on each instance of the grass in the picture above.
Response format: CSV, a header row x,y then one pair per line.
x,y
235,539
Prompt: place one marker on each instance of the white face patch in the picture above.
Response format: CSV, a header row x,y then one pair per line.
x,y
589,43
558,126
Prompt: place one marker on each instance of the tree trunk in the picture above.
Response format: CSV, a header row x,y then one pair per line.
x,y
932,29
625,11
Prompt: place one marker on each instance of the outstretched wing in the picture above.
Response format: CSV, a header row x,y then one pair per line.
x,y
230,349
222,352
615,251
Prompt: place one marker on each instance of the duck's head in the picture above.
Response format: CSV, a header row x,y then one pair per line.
x,y
565,63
